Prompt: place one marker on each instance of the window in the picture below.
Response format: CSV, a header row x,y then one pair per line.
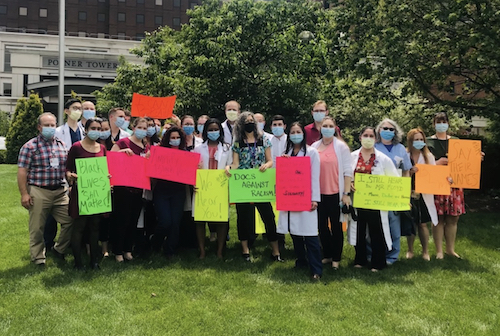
x,y
121,17
6,62
193,4
23,11
82,16
140,1
101,35
451,88
101,17
177,3
159,2
43,12
176,21
139,18
82,34
139,37
121,36
3,9
7,89
158,20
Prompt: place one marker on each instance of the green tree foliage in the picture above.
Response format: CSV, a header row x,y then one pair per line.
x,y
4,123
23,126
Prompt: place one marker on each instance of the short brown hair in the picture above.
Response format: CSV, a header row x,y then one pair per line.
x,y
320,102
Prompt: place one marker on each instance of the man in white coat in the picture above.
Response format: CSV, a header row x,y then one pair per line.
x,y
71,131
232,109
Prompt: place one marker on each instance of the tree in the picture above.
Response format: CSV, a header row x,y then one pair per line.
x,y
23,126
4,123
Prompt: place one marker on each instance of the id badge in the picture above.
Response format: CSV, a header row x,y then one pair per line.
x,y
54,162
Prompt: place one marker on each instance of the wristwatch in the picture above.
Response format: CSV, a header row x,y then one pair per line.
x,y
346,193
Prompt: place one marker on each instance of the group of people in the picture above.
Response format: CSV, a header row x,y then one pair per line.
x,y
162,219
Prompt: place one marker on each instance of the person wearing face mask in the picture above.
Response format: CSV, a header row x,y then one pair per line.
x,y
251,151
116,117
335,178
126,123
261,123
313,131
302,225
214,154
187,124
88,112
168,199
388,142
127,201
368,160
279,137
87,148
200,125
41,181
423,209
152,132
232,109
105,136
71,131
449,207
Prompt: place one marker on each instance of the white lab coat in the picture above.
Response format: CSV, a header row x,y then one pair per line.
x,y
344,162
304,223
278,147
429,198
228,134
386,167
63,134
188,203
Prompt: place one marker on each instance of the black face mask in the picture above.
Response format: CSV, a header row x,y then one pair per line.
x,y
249,128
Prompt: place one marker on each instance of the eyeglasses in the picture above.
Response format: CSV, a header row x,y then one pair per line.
x,y
388,129
319,111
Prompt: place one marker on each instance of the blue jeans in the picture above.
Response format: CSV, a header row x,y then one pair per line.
x,y
169,208
313,260
395,228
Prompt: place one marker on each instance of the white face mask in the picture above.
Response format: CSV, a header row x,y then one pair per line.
x,y
231,115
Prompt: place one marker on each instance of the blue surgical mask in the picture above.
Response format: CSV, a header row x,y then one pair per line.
x,y
125,125
163,132
319,116
151,131
48,132
200,127
327,132
87,114
175,142
278,130
441,127
119,121
105,134
93,134
140,133
387,135
296,138
213,135
418,144
261,125
188,129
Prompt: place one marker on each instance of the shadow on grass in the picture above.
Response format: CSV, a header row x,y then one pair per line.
x,y
480,228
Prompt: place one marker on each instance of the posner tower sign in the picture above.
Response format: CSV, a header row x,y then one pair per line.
x,y
75,63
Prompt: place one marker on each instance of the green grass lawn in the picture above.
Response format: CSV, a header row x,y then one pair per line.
x,y
212,297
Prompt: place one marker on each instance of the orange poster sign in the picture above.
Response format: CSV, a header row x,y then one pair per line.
x,y
153,107
464,160
431,179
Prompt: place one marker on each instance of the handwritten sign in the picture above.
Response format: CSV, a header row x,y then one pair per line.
x,y
252,185
128,171
293,183
464,159
431,179
153,107
94,190
173,165
212,196
260,227
378,192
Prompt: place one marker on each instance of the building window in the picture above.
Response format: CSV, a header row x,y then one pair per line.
x,y
139,18
158,20
176,21
121,36
7,89
3,9
82,16
139,37
451,88
82,34
121,17
177,3
6,62
43,12
101,17
159,2
23,11
140,1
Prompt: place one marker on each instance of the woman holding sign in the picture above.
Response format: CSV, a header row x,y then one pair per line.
x,y
449,207
127,201
251,150
368,160
214,154
335,177
87,148
423,207
302,225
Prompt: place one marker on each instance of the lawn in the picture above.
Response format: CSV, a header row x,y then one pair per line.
x,y
187,296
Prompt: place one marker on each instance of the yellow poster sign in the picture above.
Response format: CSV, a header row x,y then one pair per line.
x,y
259,224
378,192
212,196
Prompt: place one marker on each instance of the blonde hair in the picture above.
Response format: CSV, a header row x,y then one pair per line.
x,y
320,102
409,141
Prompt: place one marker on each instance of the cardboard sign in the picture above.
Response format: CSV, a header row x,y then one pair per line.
x,y
173,165
293,183
128,171
212,196
431,179
252,185
260,227
464,160
153,107
378,192
94,190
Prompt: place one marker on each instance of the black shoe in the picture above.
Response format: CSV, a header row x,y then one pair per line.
x,y
246,256
57,254
41,265
277,258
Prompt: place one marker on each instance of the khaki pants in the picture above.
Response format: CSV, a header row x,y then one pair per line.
x,y
47,202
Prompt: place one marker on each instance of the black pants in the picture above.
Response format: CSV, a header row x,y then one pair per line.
x,y
127,205
370,219
49,232
332,240
246,220
81,226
